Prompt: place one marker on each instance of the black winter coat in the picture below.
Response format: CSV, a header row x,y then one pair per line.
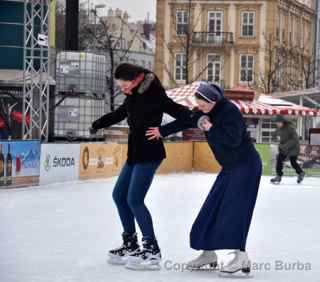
x,y
228,137
289,140
143,109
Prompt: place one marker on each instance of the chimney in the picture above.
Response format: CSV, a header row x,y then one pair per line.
x,y
118,13
125,16
110,13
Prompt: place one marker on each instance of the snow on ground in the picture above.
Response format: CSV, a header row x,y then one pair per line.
x,y
61,232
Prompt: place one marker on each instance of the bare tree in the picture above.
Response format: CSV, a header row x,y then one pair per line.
x,y
60,26
287,67
109,38
305,63
276,58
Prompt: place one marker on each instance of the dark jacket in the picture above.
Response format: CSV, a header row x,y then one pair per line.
x,y
289,140
228,137
143,109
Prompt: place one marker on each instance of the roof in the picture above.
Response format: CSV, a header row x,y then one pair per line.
x,y
264,105
308,97
15,77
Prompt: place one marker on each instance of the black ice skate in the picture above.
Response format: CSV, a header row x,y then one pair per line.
x,y
130,246
276,180
146,259
301,177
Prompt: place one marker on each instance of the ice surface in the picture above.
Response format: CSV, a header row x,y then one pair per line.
x,y
61,232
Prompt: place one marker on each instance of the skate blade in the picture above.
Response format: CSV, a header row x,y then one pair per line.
x,y
236,275
143,266
205,267
115,260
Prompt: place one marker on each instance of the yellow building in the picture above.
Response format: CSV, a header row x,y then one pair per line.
x,y
234,42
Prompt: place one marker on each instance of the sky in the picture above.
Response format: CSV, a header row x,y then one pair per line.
x,y
137,9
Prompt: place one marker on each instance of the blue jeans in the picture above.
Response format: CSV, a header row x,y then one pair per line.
x,y
131,188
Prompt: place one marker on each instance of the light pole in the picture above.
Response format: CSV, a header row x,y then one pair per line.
x,y
94,11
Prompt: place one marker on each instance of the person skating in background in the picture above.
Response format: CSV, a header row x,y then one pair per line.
x,y
224,219
144,105
289,147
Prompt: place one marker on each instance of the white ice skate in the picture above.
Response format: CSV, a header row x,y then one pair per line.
x,y
238,267
207,260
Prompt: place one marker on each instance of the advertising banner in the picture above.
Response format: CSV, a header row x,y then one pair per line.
x,y
19,163
100,160
309,160
59,163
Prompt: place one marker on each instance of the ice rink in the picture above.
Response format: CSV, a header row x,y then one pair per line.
x,y
61,232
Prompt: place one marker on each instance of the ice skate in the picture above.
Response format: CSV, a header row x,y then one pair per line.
x,y
238,267
146,259
130,245
207,260
276,180
301,177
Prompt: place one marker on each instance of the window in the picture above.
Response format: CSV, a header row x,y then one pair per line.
x,y
215,25
182,22
246,68
180,69
247,24
214,68
268,126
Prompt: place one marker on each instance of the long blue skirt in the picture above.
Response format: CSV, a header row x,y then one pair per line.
x,y
224,219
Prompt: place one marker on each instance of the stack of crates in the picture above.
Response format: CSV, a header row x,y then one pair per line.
x,y
81,77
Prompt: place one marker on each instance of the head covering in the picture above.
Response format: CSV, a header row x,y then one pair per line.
x,y
280,118
210,92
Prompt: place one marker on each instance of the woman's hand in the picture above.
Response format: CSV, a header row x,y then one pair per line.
x,y
206,125
153,133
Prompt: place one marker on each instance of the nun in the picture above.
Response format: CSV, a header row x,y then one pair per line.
x,y
224,220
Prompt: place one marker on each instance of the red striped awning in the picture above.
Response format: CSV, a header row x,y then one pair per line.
x,y
263,106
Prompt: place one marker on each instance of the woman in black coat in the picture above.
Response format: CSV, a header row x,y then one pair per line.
x,y
143,107
224,219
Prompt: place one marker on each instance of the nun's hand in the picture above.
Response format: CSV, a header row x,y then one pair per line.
x,y
153,133
207,125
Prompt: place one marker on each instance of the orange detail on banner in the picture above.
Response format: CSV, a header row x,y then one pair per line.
x,y
100,160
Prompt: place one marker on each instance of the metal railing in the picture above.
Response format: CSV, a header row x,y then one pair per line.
x,y
212,38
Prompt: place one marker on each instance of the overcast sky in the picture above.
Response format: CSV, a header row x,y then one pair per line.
x,y
137,9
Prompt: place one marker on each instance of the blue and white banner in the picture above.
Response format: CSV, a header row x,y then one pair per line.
x,y
59,163
19,163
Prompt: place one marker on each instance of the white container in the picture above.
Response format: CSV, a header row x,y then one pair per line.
x,y
81,72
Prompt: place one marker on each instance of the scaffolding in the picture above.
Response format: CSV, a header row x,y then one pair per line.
x,y
36,79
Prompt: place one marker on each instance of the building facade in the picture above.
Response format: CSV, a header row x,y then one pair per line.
x,y
317,45
235,42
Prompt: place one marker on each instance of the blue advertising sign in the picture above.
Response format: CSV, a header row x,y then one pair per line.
x,y
19,163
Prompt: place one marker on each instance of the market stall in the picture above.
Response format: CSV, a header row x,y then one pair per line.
x,y
258,110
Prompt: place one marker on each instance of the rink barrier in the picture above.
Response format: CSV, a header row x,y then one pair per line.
x,y
69,162
203,158
59,162
19,163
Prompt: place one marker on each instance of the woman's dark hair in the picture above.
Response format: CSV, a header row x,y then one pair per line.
x,y
129,72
